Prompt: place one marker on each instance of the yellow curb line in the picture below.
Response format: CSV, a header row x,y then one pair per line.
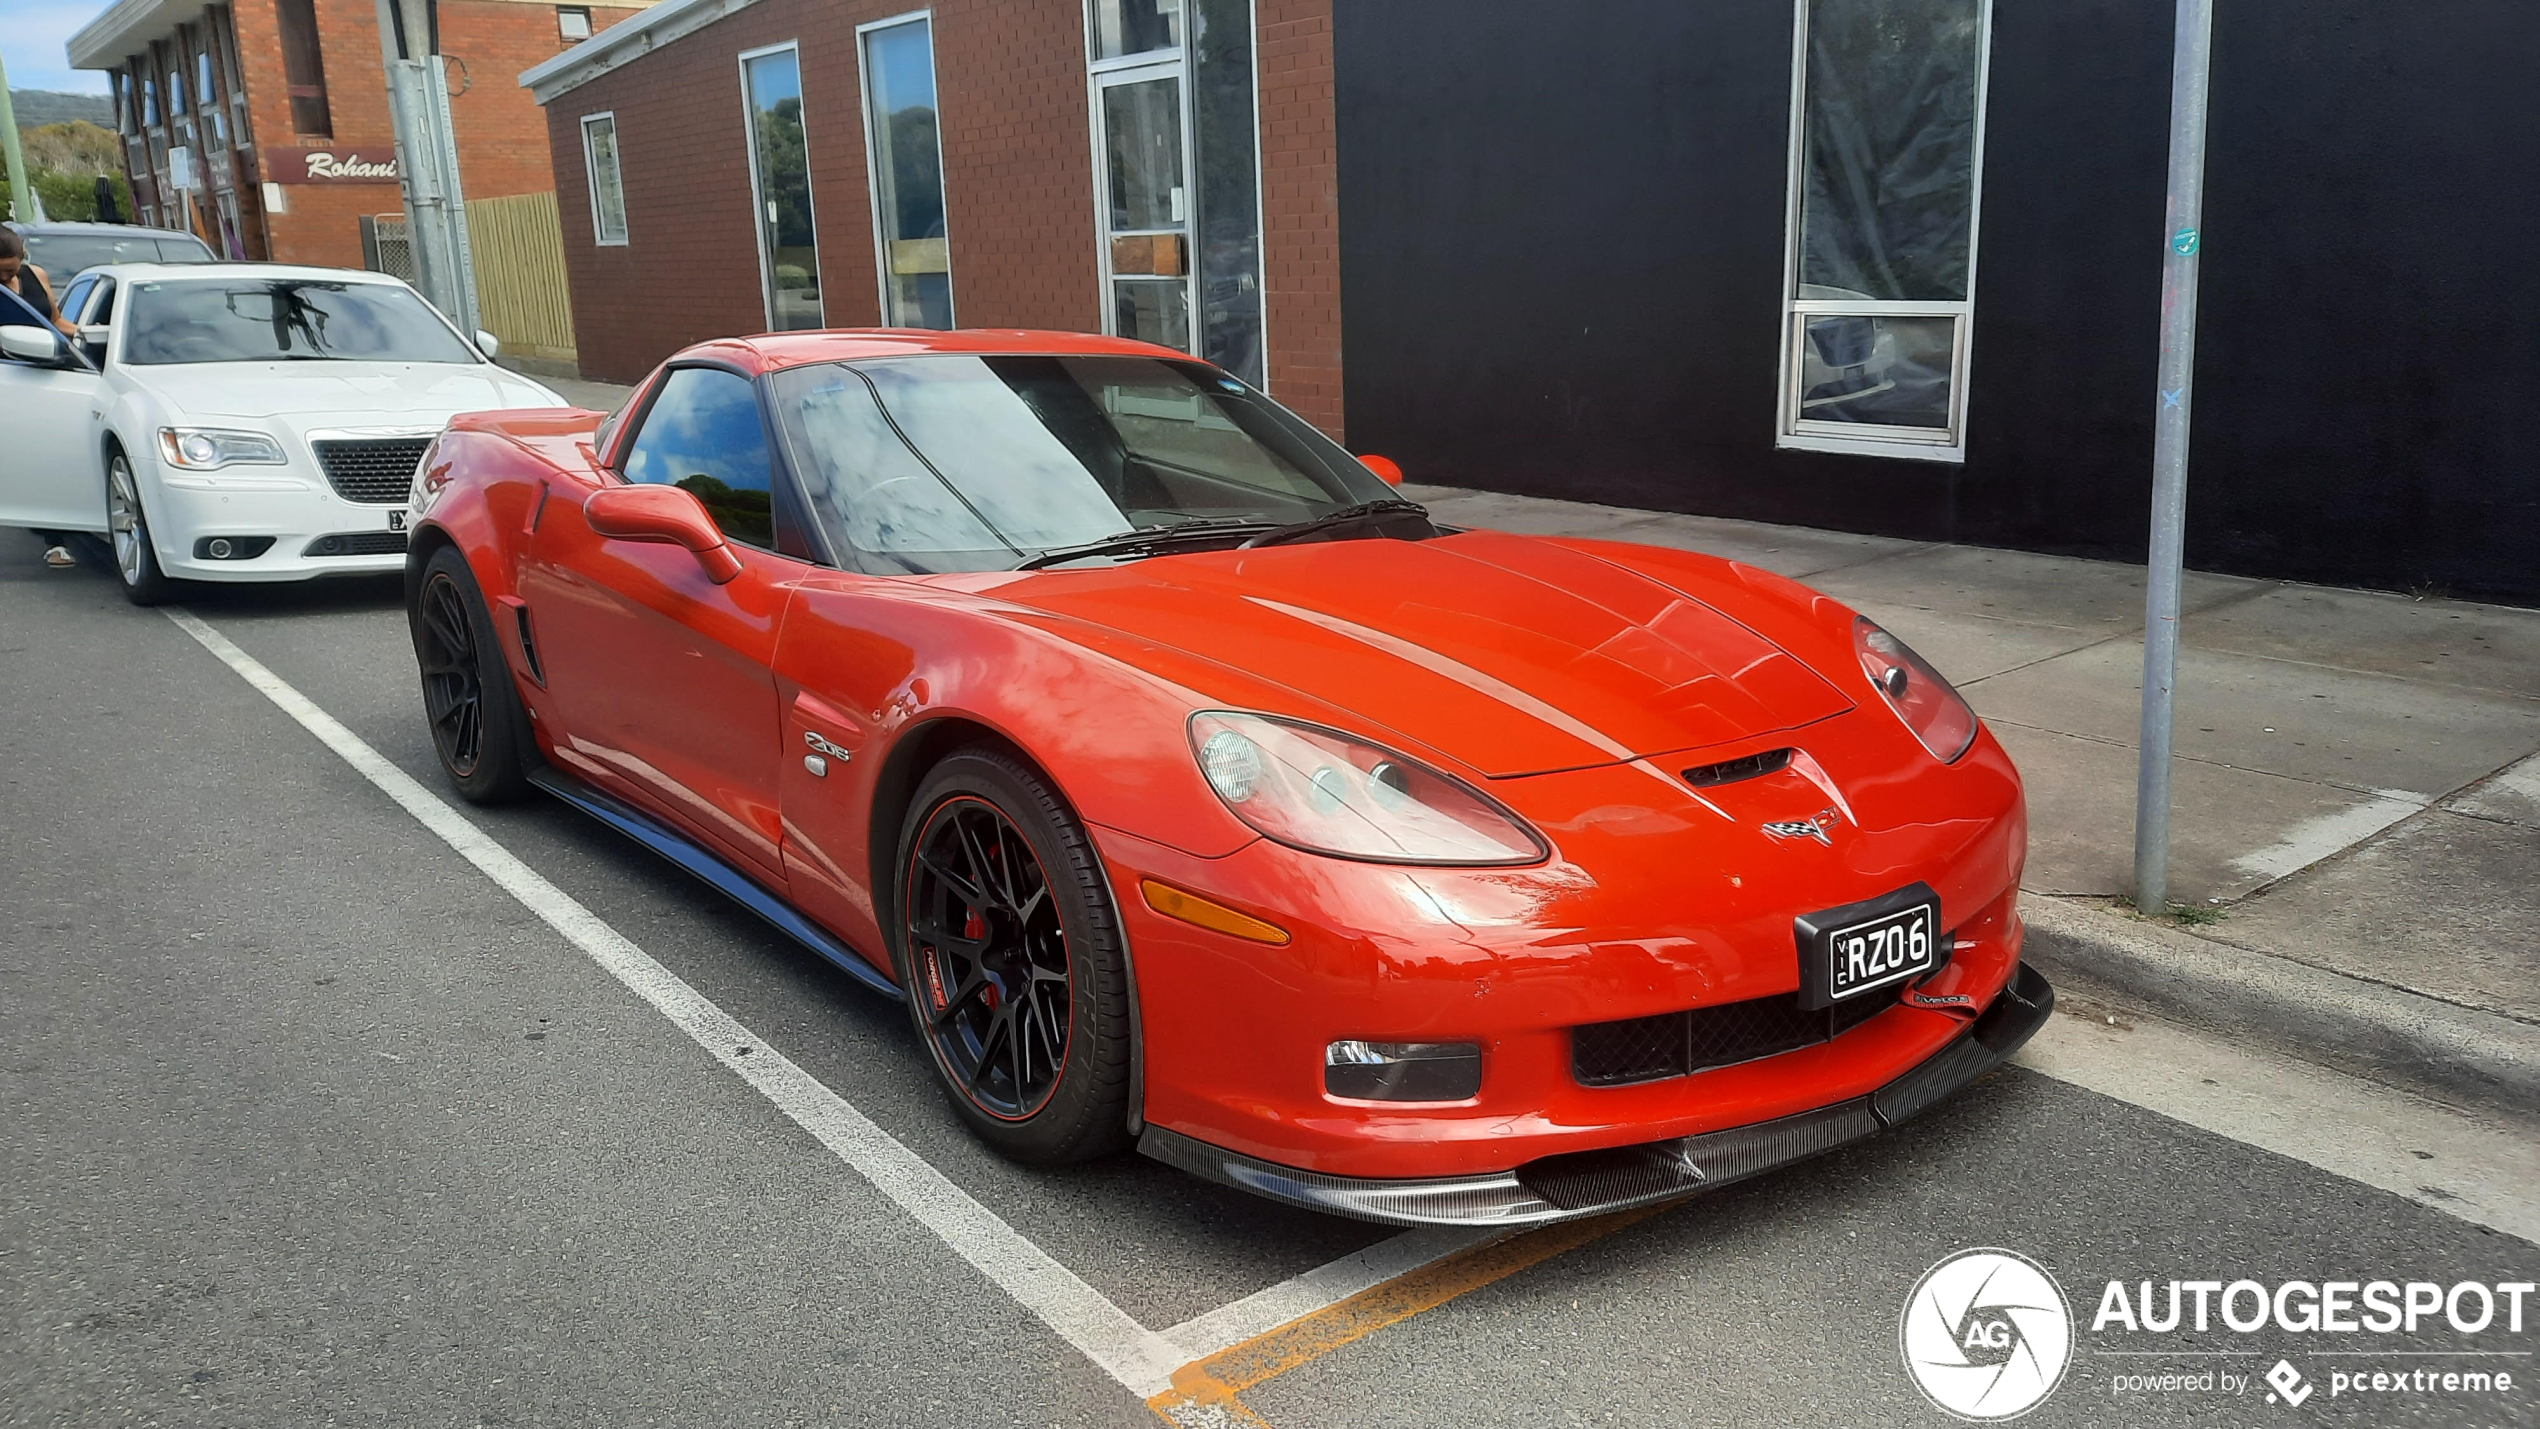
x,y
1204,1391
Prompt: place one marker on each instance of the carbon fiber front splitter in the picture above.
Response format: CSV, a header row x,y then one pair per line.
x,y
1587,1183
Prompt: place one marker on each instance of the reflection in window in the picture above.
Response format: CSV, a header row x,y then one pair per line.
x,y
789,255
908,175
1136,27
1229,187
608,187
1888,125
703,435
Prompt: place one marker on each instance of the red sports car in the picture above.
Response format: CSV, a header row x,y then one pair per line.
x,y
1193,789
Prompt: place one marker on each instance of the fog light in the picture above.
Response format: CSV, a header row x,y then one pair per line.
x,y
1403,1071
217,548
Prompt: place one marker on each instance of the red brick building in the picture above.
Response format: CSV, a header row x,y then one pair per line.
x,y
262,125
1156,168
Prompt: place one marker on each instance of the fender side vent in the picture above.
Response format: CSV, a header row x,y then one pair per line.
x,y
529,646
1730,771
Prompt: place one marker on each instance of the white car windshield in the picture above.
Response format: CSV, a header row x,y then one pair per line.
x,y
282,320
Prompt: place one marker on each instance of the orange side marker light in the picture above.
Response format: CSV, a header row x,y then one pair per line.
x,y
1216,917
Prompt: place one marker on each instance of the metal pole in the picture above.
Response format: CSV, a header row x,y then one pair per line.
x,y
2176,386
21,189
427,160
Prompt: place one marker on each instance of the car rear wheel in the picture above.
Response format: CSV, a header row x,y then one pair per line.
x,y
1014,963
128,528
478,726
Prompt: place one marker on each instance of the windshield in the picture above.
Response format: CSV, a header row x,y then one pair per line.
x,y
64,255
280,319
957,463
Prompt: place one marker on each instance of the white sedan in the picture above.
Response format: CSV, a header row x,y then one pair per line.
x,y
234,421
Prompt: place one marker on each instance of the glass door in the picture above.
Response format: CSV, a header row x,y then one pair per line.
x,y
780,182
1146,203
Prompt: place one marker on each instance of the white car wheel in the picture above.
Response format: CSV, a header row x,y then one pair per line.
x,y
129,528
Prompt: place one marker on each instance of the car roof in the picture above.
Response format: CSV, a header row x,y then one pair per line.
x,y
75,226
770,352
214,271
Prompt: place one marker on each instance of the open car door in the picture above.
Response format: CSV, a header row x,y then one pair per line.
x,y
51,407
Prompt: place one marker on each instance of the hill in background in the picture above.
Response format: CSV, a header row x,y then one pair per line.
x,y
38,107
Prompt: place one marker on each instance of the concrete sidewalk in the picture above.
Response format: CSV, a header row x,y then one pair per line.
x,y
2357,793
2357,789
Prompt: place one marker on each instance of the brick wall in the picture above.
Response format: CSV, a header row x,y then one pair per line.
x,y
502,137
1300,196
1018,175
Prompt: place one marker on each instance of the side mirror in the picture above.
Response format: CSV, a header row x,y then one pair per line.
x,y
1385,467
488,344
662,515
39,345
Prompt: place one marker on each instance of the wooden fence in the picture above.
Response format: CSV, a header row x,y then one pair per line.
x,y
518,247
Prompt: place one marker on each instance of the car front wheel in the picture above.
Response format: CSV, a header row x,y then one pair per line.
x,y
1014,962
128,527
478,726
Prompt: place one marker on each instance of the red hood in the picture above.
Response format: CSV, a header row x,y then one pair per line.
x,y
1512,654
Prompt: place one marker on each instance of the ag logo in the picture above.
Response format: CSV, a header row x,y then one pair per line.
x,y
1986,1334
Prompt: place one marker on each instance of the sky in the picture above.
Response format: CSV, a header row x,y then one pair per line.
x,y
31,41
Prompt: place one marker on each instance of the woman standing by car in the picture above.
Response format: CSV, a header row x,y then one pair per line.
x,y
28,282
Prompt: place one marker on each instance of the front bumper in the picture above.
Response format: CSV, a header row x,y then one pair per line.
x,y
1572,1185
287,508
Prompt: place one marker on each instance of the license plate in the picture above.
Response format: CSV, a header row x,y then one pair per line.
x,y
1884,950
1859,947
396,520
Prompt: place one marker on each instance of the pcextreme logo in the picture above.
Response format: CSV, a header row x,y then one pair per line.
x,y
1986,1334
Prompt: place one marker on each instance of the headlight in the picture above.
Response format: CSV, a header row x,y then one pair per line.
x,y
1930,707
1326,792
203,448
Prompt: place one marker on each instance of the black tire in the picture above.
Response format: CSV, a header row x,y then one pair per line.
x,y
1040,1093
479,729
128,536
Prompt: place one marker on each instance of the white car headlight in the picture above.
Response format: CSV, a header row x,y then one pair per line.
x,y
203,448
1331,793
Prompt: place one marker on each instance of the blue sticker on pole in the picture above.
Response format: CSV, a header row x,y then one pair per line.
x,y
2183,242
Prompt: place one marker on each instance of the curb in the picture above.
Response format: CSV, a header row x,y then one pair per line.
x,y
2389,1034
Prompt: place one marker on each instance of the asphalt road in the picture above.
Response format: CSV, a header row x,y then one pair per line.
x,y
303,1120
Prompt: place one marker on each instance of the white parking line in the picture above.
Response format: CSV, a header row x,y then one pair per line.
x,y
1322,1287
1140,1359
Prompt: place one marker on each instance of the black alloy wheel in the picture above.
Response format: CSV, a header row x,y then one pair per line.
x,y
1013,961
479,727
453,691
990,956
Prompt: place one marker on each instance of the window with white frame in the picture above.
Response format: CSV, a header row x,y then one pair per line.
x,y
608,190
1887,162
905,159
1176,120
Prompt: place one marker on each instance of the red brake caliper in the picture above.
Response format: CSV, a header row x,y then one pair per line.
x,y
975,929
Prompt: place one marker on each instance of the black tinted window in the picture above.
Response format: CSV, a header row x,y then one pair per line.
x,y
702,435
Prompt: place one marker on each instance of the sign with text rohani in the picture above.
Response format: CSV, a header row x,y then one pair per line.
x,y
329,166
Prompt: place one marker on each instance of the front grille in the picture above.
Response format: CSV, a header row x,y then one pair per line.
x,y
379,470
1675,1044
358,543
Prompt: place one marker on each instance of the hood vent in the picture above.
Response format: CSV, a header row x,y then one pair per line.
x,y
1730,771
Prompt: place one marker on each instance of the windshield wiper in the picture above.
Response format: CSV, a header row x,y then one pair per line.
x,y
1364,511
1147,538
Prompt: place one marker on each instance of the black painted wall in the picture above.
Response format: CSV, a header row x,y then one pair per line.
x,y
1561,250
